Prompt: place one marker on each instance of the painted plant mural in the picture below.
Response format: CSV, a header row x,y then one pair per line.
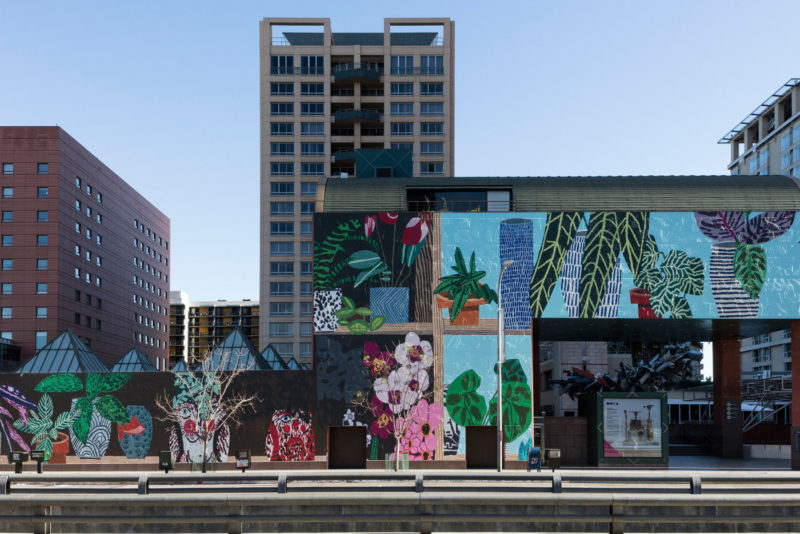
x,y
365,268
738,258
398,406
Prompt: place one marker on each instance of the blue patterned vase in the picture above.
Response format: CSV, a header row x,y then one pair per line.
x,y
99,435
391,302
516,243
137,443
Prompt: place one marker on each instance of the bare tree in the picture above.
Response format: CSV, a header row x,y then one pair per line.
x,y
204,407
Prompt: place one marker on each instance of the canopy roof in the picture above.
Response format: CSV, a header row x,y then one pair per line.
x,y
134,361
65,354
235,352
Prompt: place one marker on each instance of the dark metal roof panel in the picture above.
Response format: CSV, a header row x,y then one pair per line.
x,y
134,361
65,354
586,193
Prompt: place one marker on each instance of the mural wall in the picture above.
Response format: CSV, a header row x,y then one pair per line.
x,y
379,275
116,414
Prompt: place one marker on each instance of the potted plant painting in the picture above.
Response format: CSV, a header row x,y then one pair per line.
x,y
608,234
46,432
664,281
374,254
463,293
738,265
91,430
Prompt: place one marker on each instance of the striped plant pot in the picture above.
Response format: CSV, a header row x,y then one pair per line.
x,y
571,282
729,296
391,302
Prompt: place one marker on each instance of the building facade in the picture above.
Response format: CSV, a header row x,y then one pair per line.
x,y
196,327
766,142
81,249
324,97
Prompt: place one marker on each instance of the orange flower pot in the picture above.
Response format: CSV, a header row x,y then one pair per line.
x,y
469,314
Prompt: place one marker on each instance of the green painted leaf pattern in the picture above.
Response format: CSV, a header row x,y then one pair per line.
x,y
65,420
466,407
750,268
81,424
681,309
358,327
45,407
366,274
633,228
46,445
348,303
60,383
377,322
559,232
513,371
467,381
648,278
599,258
363,259
112,409
688,272
516,410
664,296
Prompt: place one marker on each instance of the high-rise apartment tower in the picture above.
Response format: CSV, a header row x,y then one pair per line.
x,y
325,97
767,142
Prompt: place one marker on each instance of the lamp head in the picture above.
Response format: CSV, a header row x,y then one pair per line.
x,y
507,263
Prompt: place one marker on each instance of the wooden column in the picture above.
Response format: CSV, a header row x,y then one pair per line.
x,y
728,398
795,407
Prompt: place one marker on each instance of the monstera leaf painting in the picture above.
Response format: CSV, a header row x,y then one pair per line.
x,y
465,405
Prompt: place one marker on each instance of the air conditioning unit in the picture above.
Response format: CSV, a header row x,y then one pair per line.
x,y
343,175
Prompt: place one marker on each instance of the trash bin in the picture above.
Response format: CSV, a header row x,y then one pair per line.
x,y
534,459
553,458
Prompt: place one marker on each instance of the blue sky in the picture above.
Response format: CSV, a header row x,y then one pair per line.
x,y
167,95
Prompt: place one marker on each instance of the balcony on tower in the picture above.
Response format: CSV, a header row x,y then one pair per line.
x,y
369,71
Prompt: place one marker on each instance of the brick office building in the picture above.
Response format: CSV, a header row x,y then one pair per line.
x,y
81,249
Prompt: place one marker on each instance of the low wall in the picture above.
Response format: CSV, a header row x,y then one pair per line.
x,y
570,435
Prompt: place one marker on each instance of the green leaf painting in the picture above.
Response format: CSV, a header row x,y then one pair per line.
x,y
513,371
368,273
82,423
633,228
363,259
599,258
60,383
465,405
559,232
750,268
516,410
678,275
112,409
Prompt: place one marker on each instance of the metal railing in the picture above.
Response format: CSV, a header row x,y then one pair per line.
x,y
424,501
345,67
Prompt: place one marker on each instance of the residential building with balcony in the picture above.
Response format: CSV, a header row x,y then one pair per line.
x,y
767,142
377,104
196,327
81,249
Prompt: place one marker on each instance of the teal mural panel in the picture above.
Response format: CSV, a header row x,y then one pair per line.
x,y
471,359
703,265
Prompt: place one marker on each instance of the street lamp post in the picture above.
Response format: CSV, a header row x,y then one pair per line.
x,y
501,356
